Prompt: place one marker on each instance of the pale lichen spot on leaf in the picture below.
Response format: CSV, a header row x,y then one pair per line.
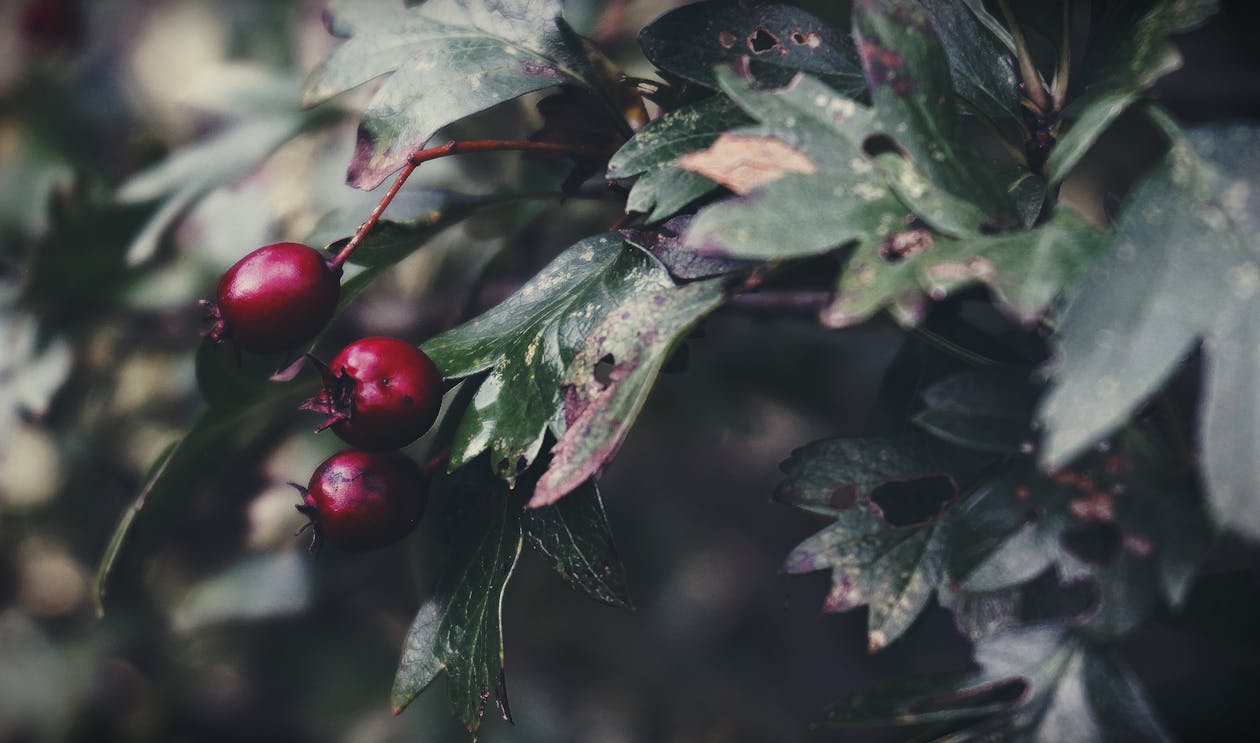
x,y
860,166
1244,282
868,191
745,163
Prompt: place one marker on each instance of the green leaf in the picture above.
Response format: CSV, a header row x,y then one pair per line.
x,y
459,628
223,432
834,475
986,410
527,341
805,185
196,169
1036,683
892,570
662,188
445,59
980,63
637,335
1171,277
1127,53
1026,270
573,535
908,73
1122,518
778,42
256,587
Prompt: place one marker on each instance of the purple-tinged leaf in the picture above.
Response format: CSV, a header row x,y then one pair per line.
x,y
666,245
635,339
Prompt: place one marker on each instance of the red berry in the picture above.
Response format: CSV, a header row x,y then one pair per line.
x,y
379,393
276,299
364,500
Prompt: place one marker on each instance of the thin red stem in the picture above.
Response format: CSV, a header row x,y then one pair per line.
x,y
454,148
436,461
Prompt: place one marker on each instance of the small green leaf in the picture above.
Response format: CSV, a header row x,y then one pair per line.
x,y
985,410
573,535
834,475
980,63
892,570
527,341
778,41
662,188
459,628
1127,53
445,60
638,336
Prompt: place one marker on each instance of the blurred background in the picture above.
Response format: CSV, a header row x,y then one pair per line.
x,y
130,137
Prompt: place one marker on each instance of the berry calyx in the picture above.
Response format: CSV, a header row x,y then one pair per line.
x,y
379,393
275,299
363,500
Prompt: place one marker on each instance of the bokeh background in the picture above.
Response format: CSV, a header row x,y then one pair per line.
x,y
238,634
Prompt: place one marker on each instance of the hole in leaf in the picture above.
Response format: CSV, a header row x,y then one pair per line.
x,y
1095,543
762,41
913,501
798,37
604,369
878,144
1046,599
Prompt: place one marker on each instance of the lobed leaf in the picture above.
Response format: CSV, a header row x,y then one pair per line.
x,y
834,475
778,41
831,195
527,341
662,188
574,536
892,570
446,59
908,74
458,629
1171,277
635,337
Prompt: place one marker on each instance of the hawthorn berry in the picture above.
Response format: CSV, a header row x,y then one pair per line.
x,y
275,299
379,393
361,500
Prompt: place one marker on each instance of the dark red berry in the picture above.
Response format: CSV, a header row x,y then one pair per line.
x,y
361,500
379,393
276,299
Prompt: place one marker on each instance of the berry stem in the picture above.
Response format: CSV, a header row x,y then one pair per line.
x,y
436,461
454,148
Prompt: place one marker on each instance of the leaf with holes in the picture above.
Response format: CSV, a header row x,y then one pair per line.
x,y
1127,53
446,59
806,185
1026,270
908,74
458,628
835,475
573,535
661,188
778,41
638,334
1122,518
527,341
892,570
981,409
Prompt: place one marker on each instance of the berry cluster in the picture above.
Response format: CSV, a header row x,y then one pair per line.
x,y
379,394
